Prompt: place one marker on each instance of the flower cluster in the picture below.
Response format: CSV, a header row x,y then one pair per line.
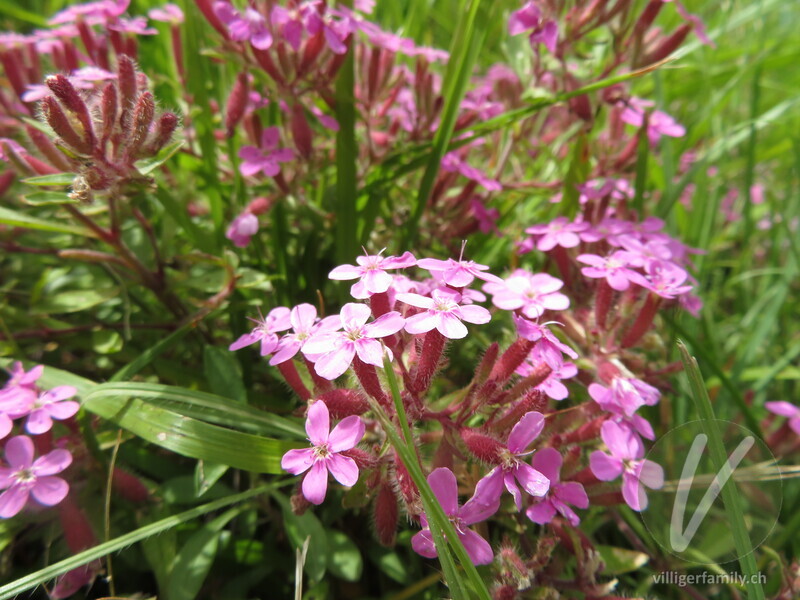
x,y
25,476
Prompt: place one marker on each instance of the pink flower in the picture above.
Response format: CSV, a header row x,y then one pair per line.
x,y
169,13
93,12
626,460
290,24
486,217
614,268
558,232
529,17
548,347
552,386
304,325
529,293
625,395
335,32
785,409
548,462
135,26
445,488
442,312
50,405
252,26
265,159
665,279
371,273
325,455
21,387
24,477
336,350
658,124
458,273
512,470
242,228
265,331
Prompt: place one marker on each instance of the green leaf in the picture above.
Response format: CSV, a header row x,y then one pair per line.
x,y
74,300
60,179
15,219
620,560
187,436
48,199
206,474
223,373
106,341
203,406
346,155
744,546
298,529
148,165
344,559
194,560
42,576
149,355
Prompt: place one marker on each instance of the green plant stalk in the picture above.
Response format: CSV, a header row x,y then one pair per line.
x,y
42,576
436,516
744,546
642,156
464,50
346,154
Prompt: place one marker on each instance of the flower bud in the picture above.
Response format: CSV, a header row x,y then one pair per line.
x,y
143,114
483,446
61,125
165,127
63,89
301,131
487,362
128,87
299,503
129,487
386,515
48,149
647,17
667,47
259,206
343,403
510,360
237,103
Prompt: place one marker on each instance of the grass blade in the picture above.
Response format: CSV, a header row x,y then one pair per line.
x,y
730,498
346,154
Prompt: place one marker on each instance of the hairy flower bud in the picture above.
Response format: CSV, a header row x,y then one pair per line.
x,y
237,103
483,446
143,114
165,128
386,515
63,89
667,47
129,487
343,402
128,89
487,363
301,131
61,125
510,360
48,149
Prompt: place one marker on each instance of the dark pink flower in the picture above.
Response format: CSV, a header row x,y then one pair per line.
x,y
93,12
324,457
552,385
548,462
626,459
445,488
665,279
25,477
265,159
265,331
169,13
51,405
304,325
336,350
486,217
443,312
458,273
548,347
452,163
531,294
658,124
250,26
242,228
371,273
625,395
512,470
134,26
529,18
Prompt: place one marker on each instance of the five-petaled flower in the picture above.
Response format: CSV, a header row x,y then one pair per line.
x,y
443,312
325,454
626,459
52,404
335,351
304,325
531,294
512,470
371,273
265,159
445,488
786,409
252,26
548,462
265,331
25,477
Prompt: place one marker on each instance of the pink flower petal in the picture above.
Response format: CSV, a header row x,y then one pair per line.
x,y
62,410
302,317
315,483
633,492
13,500
541,512
650,474
422,322
298,461
386,324
346,434
548,462
344,272
246,340
444,486
354,314
335,363
377,281
450,327
416,300
532,481
475,314
50,490
62,392
53,462
422,543
343,469
525,431
605,467
369,351
573,492
479,550
318,422
19,452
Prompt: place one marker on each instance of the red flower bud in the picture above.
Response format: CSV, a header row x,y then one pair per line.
x,y
510,360
165,127
386,515
343,402
487,363
483,446
48,149
301,131
237,103
61,125
72,101
129,487
429,360
143,114
128,88
667,47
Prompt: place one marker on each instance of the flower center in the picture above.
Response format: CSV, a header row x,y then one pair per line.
x,y
354,333
507,459
25,476
321,451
